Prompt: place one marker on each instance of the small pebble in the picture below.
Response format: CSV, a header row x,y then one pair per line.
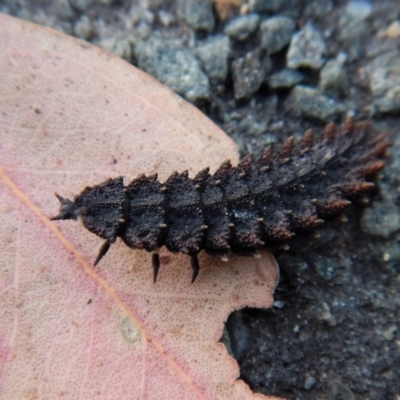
x,y
166,18
333,79
279,304
242,26
390,103
384,81
326,315
214,57
174,66
198,14
309,382
382,219
266,5
310,102
358,9
249,72
389,256
284,79
63,9
306,49
318,9
353,27
81,5
83,28
390,332
147,16
120,47
326,267
276,33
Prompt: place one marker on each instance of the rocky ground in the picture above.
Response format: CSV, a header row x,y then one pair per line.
x,y
264,70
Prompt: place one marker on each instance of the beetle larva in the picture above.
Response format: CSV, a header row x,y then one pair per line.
x,y
237,209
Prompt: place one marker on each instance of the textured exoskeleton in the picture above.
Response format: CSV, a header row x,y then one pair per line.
x,y
236,209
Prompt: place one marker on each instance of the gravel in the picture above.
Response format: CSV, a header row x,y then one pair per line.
x,y
284,79
81,5
120,47
249,72
174,66
384,81
83,28
353,27
198,14
266,5
307,49
241,27
276,33
382,219
214,56
333,79
309,102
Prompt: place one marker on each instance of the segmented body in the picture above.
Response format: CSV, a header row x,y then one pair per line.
x,y
236,209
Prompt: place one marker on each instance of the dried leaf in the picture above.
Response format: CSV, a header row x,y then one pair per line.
x,y
72,115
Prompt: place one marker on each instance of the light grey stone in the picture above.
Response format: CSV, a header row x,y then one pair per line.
x,y
385,81
390,103
83,28
309,383
198,14
284,79
306,49
333,79
384,74
241,27
214,57
389,256
63,9
279,304
358,10
120,47
249,72
166,18
351,34
390,332
310,102
81,5
173,66
382,219
266,5
328,268
276,33
318,9
353,27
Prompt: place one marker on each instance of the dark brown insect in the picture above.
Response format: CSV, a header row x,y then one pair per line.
x,y
237,209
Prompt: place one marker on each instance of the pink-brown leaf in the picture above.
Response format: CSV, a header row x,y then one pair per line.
x,y
72,115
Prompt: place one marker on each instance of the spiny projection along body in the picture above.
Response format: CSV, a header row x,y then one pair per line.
x,y
237,209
